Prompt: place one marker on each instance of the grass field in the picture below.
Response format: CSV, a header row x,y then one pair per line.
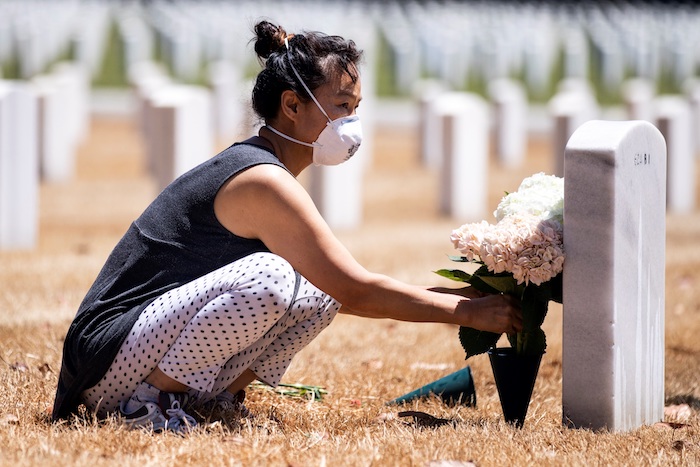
x,y
360,363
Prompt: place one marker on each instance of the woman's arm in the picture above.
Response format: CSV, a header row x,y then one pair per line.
x,y
267,203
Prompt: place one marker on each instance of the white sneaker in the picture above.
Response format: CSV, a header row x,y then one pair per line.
x,y
150,415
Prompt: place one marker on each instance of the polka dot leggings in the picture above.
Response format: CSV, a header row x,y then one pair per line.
x,y
255,313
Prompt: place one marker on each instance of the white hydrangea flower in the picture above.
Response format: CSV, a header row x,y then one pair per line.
x,y
539,195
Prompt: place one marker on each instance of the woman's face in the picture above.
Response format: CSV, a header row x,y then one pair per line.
x,y
339,97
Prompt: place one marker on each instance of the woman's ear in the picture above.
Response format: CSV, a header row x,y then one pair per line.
x,y
290,104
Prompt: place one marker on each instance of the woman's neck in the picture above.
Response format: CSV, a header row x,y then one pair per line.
x,y
289,154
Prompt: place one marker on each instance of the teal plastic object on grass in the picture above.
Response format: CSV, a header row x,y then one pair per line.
x,y
455,388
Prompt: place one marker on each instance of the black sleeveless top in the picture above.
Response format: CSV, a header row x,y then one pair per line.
x,y
176,240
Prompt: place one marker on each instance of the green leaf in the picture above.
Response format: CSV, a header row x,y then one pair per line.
x,y
504,284
476,342
454,274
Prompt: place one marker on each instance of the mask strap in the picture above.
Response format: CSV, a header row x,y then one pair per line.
x,y
289,57
279,133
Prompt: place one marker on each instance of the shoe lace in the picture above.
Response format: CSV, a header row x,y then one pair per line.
x,y
178,417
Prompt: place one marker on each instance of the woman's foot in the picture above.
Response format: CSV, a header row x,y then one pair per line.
x,y
167,414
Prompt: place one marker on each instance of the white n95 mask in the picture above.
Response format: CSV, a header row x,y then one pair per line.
x,y
337,142
339,139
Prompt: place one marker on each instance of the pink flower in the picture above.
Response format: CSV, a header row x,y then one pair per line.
x,y
521,244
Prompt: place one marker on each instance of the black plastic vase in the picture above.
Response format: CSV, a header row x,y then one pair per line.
x,y
515,377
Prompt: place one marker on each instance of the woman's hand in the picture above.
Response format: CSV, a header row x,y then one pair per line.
x,y
492,313
488,312
466,292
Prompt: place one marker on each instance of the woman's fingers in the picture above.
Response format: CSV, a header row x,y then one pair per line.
x,y
505,313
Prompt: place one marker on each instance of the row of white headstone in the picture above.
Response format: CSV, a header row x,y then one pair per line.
x,y
39,33
336,191
455,41
218,32
183,124
445,40
456,129
41,124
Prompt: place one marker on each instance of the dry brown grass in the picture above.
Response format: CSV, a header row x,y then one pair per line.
x,y
361,363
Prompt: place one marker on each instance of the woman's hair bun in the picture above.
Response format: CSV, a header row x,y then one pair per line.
x,y
269,38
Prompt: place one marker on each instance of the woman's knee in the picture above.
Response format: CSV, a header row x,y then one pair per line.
x,y
264,276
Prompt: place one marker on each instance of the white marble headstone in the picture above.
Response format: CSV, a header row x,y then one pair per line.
x,y
691,88
227,88
638,95
56,147
337,191
510,106
673,119
614,276
180,131
464,121
19,166
572,106
146,78
427,93
74,86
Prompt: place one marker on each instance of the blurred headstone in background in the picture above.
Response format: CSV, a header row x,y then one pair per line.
x,y
691,88
673,119
180,133
638,95
510,110
426,92
464,127
55,148
571,107
19,166
228,100
145,78
74,86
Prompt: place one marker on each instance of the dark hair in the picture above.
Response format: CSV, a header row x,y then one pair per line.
x,y
317,57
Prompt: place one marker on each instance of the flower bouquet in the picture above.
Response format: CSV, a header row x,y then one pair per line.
x,y
522,254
